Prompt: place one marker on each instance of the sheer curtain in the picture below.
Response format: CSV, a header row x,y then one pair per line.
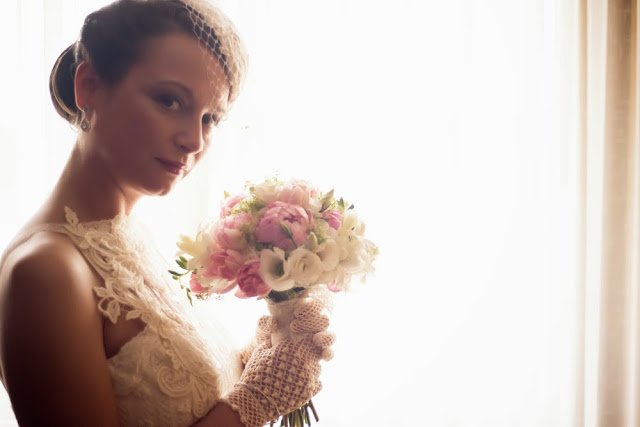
x,y
492,147
609,138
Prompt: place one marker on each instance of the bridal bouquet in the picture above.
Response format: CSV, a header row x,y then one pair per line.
x,y
275,241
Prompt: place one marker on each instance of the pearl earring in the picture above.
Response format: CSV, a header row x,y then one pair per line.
x,y
84,123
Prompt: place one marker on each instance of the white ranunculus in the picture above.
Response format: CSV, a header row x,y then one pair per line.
x,y
305,266
329,254
274,270
267,191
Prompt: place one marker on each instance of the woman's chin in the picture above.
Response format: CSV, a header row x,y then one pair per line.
x,y
158,189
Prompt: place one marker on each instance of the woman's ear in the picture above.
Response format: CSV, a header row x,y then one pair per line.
x,y
86,84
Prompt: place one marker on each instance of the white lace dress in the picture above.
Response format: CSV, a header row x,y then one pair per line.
x,y
175,370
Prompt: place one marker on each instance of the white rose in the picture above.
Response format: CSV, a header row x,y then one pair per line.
x,y
274,270
329,254
305,266
267,191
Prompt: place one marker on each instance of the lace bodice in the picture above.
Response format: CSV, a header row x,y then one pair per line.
x,y
176,368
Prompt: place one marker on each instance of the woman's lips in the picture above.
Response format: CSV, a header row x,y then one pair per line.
x,y
172,167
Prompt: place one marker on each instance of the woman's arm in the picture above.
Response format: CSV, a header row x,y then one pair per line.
x,y
221,415
51,345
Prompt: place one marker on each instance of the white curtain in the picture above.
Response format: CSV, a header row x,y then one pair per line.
x,y
609,136
491,145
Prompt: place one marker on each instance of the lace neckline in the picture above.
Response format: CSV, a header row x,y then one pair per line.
x,y
72,218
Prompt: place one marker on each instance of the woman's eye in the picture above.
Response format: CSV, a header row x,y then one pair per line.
x,y
169,102
209,120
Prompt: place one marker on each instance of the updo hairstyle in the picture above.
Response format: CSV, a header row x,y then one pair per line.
x,y
113,38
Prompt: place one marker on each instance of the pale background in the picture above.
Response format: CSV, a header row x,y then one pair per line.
x,y
448,124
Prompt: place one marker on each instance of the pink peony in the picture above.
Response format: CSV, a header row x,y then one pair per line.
x,y
228,232
195,285
250,284
277,216
334,217
224,264
230,203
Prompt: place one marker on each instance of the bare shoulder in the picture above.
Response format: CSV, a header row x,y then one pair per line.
x,y
44,275
47,260
51,344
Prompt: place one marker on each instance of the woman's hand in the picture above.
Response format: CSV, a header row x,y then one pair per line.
x,y
280,378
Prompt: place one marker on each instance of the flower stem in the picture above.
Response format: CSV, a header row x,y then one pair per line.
x,y
299,417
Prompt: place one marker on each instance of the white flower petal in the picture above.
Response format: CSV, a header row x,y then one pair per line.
x,y
274,270
329,254
305,266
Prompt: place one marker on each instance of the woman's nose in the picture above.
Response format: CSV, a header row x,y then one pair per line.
x,y
191,139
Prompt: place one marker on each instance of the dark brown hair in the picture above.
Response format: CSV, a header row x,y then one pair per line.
x,y
113,37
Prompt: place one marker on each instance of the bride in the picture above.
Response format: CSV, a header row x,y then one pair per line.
x,y
91,333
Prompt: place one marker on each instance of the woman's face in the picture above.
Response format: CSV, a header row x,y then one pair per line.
x,y
152,128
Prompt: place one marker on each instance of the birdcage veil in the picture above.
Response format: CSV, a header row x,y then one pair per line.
x,y
219,37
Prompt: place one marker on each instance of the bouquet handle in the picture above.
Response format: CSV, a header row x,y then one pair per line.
x,y
281,318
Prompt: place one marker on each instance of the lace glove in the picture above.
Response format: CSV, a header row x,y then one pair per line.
x,y
280,378
263,335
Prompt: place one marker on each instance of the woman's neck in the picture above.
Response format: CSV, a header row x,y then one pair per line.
x,y
87,187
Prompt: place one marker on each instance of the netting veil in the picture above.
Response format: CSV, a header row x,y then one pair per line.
x,y
219,41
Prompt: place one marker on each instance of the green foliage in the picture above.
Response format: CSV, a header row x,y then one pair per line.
x,y
251,206
286,230
327,201
182,263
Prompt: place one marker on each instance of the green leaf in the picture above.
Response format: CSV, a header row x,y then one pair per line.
x,y
182,264
226,194
189,296
341,202
312,242
286,230
326,201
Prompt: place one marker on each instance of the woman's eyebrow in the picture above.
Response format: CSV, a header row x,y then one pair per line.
x,y
188,93
176,84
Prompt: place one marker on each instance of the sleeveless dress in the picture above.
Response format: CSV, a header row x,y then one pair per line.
x,y
177,367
